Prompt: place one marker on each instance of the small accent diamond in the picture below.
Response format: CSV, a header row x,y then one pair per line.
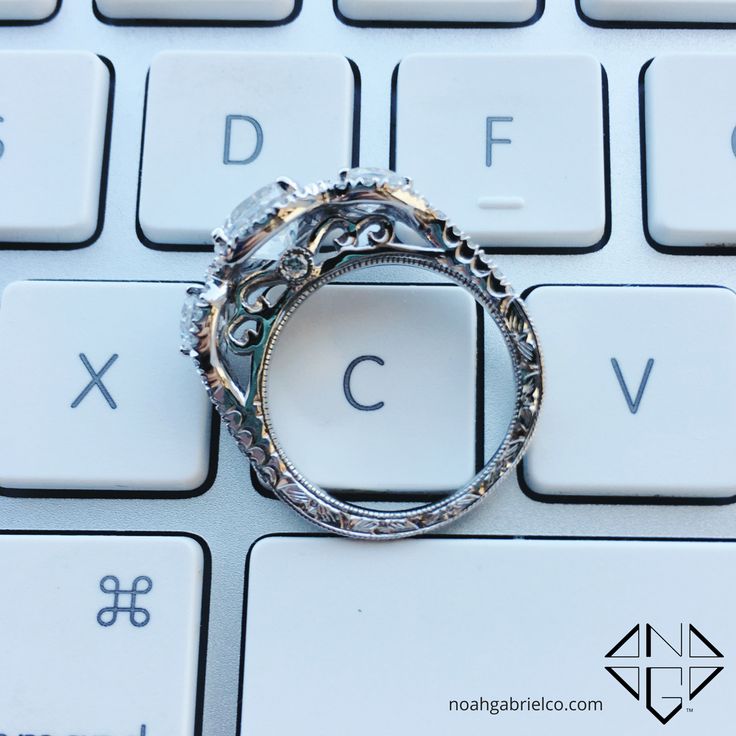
x,y
190,312
296,264
371,175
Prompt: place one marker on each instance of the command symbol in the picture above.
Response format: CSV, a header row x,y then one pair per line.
x,y
137,615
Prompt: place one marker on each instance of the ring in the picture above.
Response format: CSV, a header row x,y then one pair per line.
x,y
276,249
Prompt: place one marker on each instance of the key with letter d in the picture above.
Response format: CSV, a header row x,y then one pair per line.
x,y
206,148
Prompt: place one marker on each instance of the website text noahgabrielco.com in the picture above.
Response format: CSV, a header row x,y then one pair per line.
x,y
502,706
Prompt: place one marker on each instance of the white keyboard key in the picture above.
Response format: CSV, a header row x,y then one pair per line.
x,y
452,11
665,11
376,388
27,10
221,125
97,397
51,164
223,10
641,387
102,635
423,629
517,159
690,188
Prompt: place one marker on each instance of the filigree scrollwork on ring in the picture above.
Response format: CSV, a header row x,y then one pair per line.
x,y
285,243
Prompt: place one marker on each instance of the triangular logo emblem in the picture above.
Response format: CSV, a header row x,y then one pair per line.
x,y
629,677
664,667
700,646
701,677
628,647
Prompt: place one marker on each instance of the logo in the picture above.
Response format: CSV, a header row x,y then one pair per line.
x,y
667,671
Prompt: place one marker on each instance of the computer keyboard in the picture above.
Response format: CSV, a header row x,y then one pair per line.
x,y
590,146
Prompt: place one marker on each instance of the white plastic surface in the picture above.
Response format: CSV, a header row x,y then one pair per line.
x,y
219,126
156,436
663,430
231,515
26,9
53,113
512,145
667,11
65,672
484,11
236,10
691,149
355,635
422,438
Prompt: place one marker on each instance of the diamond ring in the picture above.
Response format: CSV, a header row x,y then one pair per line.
x,y
277,249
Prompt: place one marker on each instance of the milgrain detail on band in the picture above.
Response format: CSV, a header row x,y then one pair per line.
x,y
319,233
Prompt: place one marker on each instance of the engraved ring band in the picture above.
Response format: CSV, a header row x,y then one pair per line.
x,y
276,249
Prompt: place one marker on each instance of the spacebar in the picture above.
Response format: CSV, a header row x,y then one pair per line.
x,y
451,636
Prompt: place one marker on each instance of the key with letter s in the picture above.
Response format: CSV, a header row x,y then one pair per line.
x,y
51,165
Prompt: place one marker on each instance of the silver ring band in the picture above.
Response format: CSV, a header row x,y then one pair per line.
x,y
276,249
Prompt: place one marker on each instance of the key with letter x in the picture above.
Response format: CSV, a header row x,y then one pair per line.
x,y
96,381
120,412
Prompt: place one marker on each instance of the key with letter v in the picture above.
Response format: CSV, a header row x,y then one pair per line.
x,y
640,387
633,403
